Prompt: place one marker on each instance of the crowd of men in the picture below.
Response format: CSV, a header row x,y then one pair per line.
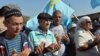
x,y
50,38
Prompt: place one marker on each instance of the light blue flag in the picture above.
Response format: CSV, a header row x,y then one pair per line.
x,y
32,23
95,3
64,8
51,6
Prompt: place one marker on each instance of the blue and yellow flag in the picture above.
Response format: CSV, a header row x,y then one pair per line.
x,y
32,23
50,8
64,8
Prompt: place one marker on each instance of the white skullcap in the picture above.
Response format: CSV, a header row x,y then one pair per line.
x,y
83,19
73,25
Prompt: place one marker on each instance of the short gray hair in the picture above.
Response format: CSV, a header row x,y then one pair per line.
x,y
56,11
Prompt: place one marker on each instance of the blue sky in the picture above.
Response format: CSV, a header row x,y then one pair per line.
x,y
33,7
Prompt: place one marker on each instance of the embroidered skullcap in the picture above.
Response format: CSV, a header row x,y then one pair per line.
x,y
12,12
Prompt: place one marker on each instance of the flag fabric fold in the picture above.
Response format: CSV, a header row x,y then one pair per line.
x,y
32,23
58,5
95,3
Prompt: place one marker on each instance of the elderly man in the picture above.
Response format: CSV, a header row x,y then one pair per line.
x,y
43,39
86,42
71,46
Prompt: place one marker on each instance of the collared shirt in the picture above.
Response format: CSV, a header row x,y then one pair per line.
x,y
38,36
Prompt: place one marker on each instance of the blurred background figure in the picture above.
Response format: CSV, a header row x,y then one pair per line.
x,y
2,12
97,32
71,46
26,30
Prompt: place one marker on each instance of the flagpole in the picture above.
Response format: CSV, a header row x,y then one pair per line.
x,y
76,17
73,14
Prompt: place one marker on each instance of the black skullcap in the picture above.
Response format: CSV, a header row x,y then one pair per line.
x,y
12,12
44,16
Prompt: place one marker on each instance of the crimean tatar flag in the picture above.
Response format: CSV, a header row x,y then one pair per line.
x,y
95,3
32,23
50,8
64,8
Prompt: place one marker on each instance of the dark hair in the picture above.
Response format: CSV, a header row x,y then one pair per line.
x,y
12,12
3,10
44,16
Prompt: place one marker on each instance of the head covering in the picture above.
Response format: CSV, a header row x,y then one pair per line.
x,y
73,25
83,19
12,12
44,16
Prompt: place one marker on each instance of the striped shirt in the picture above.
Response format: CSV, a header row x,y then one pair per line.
x,y
14,44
